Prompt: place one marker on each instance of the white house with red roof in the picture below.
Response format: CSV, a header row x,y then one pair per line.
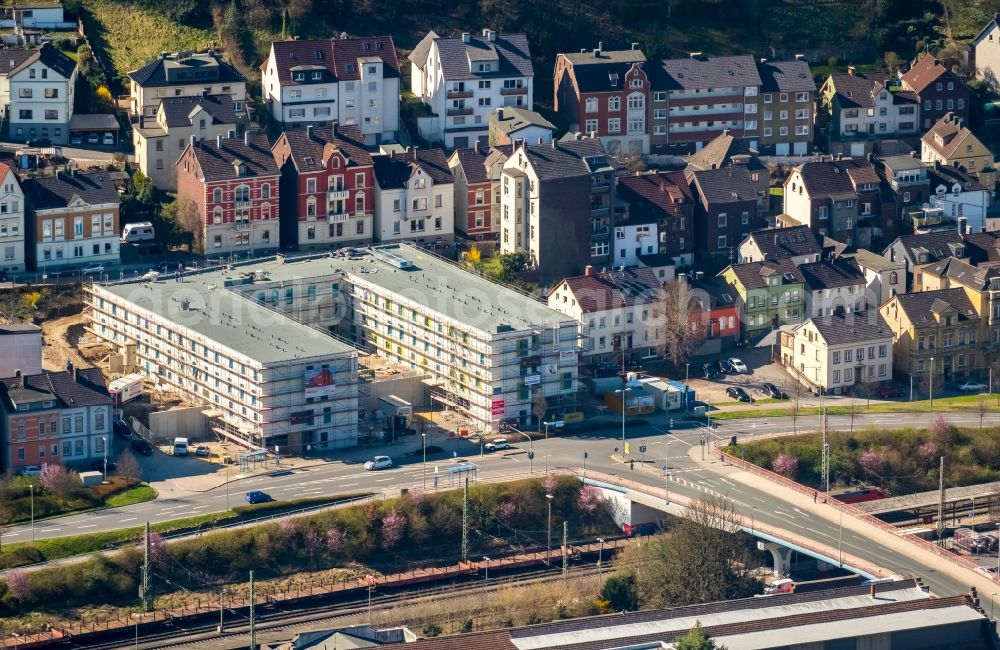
x,y
349,80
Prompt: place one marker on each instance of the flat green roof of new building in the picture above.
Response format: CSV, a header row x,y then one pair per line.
x,y
431,281
202,303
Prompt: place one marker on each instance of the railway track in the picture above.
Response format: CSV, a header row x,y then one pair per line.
x,y
281,616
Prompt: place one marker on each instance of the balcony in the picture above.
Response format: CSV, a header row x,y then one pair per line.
x,y
336,217
242,225
455,112
241,204
337,195
514,91
459,94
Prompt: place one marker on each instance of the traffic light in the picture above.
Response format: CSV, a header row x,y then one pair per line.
x,y
531,455
671,423
642,449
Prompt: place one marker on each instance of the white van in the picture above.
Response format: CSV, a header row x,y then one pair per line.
x,y
180,446
136,232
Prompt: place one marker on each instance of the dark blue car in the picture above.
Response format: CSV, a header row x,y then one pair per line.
x,y
256,496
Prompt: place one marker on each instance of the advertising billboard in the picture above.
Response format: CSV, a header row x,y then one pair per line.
x,y
319,382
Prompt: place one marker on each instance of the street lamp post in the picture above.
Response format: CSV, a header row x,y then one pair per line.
x,y
753,518
840,539
600,556
486,577
548,543
687,376
104,439
930,383
227,486
423,471
993,602
622,392
31,488
531,450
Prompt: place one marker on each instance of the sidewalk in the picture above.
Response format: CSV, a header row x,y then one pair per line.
x,y
983,584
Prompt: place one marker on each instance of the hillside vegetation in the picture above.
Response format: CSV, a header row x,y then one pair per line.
x,y
846,30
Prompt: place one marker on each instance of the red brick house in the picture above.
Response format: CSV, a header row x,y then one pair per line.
x,y
606,93
477,189
327,187
666,199
939,91
54,417
233,183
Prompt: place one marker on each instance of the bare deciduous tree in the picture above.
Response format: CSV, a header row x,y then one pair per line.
x,y
128,468
679,314
539,406
706,558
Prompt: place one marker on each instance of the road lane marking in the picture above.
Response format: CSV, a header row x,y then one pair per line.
x,y
87,526
129,519
49,530
347,485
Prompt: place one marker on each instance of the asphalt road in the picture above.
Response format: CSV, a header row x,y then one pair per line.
x,y
342,477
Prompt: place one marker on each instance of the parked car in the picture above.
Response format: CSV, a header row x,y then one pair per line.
x,y
30,470
202,450
379,462
76,138
738,394
109,138
92,269
122,428
258,496
142,446
39,142
724,367
738,365
972,387
771,390
889,390
497,445
708,371
93,138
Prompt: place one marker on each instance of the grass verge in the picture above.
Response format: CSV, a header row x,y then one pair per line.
x,y
965,403
24,553
138,494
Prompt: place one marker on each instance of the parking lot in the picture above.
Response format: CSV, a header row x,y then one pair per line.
x,y
760,369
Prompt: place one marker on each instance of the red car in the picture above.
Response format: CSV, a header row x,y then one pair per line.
x,y
890,391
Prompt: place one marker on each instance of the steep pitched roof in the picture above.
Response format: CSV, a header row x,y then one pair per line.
x,y
219,163
856,90
923,73
873,261
336,58
720,151
709,72
153,73
850,327
753,275
392,172
983,248
837,177
613,290
947,135
53,192
14,60
87,390
961,272
936,245
567,157
777,243
786,77
655,194
510,51
514,119
832,274
727,185
309,150
177,110
948,175
418,55
919,306
473,163
602,72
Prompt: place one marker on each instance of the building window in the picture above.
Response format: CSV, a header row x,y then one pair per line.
x,y
722,242
614,103
591,105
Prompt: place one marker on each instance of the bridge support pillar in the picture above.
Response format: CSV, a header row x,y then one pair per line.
x,y
782,557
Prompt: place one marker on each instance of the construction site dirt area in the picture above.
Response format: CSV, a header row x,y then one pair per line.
x,y
67,340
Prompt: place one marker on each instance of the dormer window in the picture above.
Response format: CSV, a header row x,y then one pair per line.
x,y
317,76
299,76
350,68
637,83
613,79
484,67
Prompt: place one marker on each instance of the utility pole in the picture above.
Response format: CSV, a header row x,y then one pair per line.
x,y
940,521
465,521
253,605
565,548
146,602
826,466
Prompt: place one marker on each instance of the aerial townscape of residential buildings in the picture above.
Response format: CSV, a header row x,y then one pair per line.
x,y
850,222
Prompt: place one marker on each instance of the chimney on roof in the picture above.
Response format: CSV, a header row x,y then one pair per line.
x,y
490,35
583,50
696,55
599,50
218,141
800,57
635,45
553,143
587,270
871,591
500,114
851,70
763,60
466,36
309,131
246,138
194,139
